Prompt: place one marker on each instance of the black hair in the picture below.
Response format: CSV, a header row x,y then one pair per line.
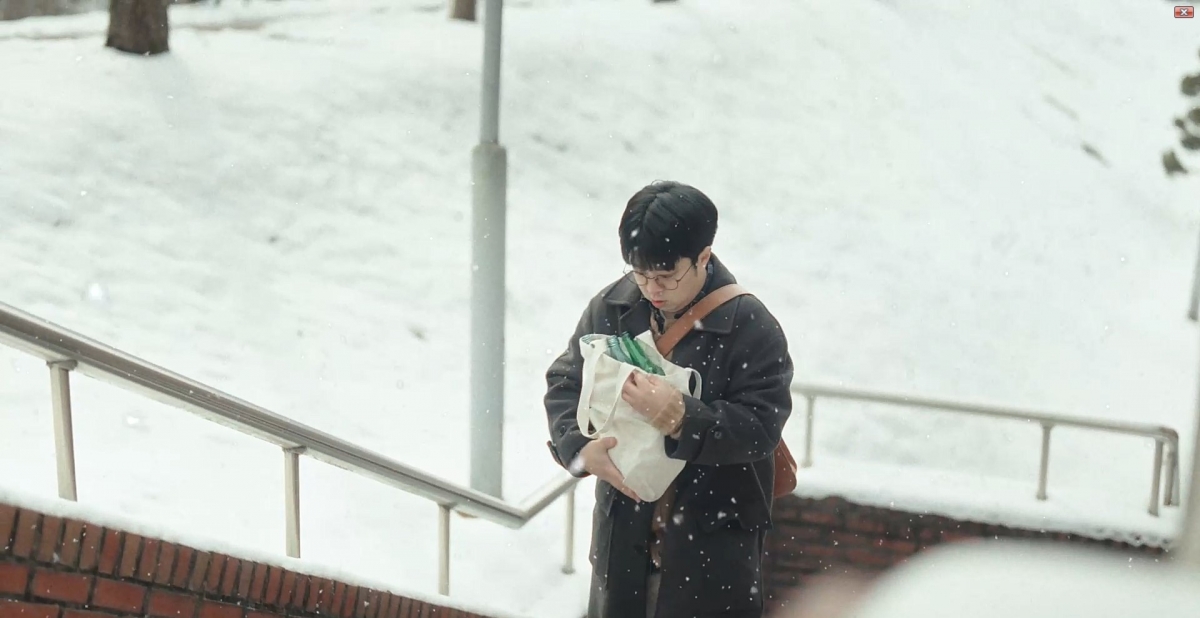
x,y
666,221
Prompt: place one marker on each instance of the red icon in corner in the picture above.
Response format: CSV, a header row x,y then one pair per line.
x,y
1185,12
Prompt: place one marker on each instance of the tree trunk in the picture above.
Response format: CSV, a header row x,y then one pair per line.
x,y
463,9
138,26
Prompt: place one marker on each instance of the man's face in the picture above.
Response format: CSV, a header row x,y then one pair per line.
x,y
672,290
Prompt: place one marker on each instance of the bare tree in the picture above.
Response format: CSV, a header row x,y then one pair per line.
x,y
463,9
138,26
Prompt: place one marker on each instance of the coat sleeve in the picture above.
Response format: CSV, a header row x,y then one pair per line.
x,y
563,383
746,425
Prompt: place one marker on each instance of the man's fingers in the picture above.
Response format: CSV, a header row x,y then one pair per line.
x,y
615,479
628,493
608,443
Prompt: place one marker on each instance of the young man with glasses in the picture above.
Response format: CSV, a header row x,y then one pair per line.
x,y
697,551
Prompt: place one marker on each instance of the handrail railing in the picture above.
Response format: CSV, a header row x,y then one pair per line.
x,y
1160,434
66,351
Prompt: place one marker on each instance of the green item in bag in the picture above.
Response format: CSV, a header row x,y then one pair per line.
x,y
637,356
626,349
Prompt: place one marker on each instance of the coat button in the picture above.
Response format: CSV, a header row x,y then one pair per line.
x,y
718,434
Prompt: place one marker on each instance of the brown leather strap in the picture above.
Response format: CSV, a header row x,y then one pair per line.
x,y
698,312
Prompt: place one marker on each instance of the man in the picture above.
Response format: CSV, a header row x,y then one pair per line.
x,y
697,551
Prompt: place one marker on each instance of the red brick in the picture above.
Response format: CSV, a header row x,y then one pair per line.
x,y
18,609
171,605
385,605
859,523
212,609
58,586
300,597
26,532
89,547
258,583
212,581
71,542
347,609
372,604
244,579
287,589
229,579
325,602
313,596
13,578
360,606
274,586
850,539
253,614
339,597
821,551
148,563
166,561
800,564
183,567
78,613
47,549
110,552
896,545
8,520
129,555
820,517
120,596
196,579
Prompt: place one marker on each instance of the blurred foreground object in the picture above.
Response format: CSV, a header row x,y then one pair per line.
x,y
1010,579
138,26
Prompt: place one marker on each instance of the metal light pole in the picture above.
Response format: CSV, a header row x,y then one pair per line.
x,y
1189,544
489,172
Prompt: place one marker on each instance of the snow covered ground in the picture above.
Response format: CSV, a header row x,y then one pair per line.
x,y
961,202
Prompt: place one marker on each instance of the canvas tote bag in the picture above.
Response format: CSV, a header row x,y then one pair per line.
x,y
640,453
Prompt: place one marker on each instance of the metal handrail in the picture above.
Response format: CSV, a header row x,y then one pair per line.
x,y
66,351
1161,435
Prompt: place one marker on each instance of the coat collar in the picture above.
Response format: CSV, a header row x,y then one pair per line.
x,y
636,315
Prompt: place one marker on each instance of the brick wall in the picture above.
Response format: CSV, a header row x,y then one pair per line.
x,y
831,535
55,568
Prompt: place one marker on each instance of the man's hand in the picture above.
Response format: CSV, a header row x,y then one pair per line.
x,y
658,401
648,395
593,457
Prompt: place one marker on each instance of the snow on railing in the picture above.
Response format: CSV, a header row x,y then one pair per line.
x,y
66,352
1162,436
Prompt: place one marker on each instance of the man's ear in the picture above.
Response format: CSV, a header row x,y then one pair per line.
x,y
703,259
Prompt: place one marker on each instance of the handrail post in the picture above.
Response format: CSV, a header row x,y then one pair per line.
x,y
1169,464
291,499
1044,468
1174,472
1157,478
569,559
443,549
64,432
810,405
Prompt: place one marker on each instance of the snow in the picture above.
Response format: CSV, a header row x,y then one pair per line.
x,y
94,514
280,208
1012,579
992,500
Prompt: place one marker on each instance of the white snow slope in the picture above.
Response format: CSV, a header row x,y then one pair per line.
x,y
281,209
